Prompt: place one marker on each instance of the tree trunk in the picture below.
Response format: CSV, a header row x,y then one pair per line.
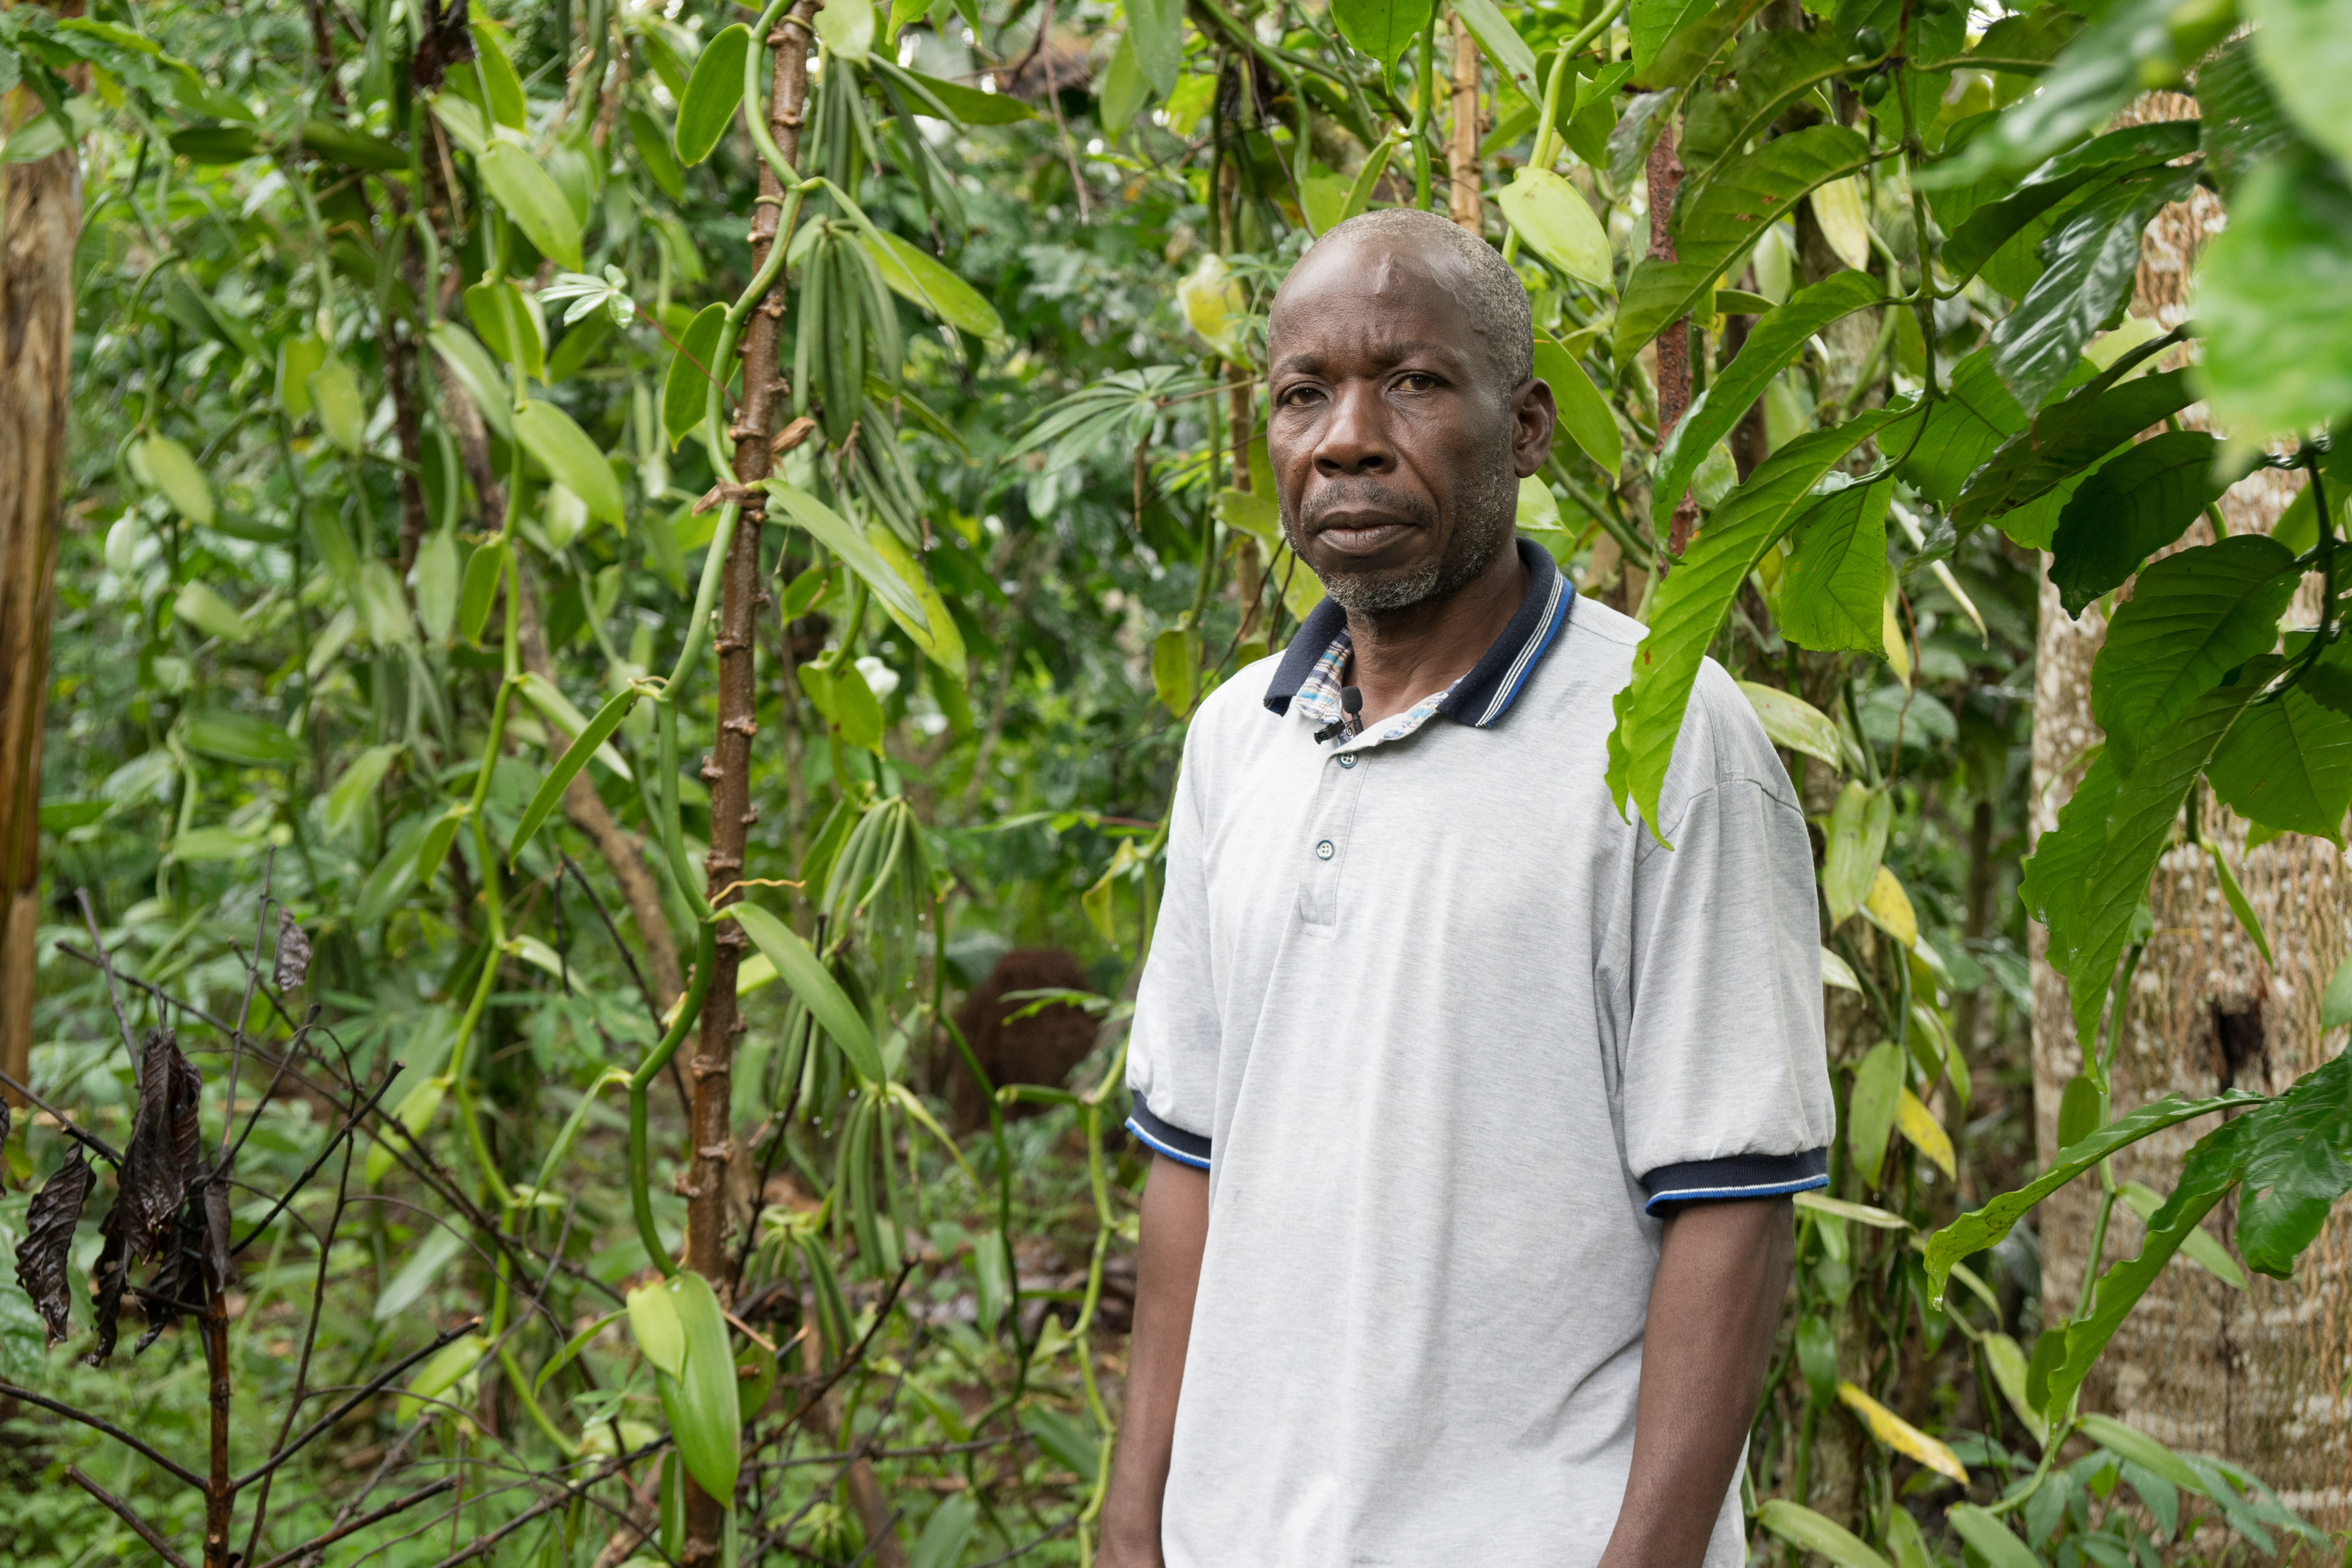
x,y
1462,161
40,219
2259,1377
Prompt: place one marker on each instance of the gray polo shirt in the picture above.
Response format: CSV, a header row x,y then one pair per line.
x,y
1447,1035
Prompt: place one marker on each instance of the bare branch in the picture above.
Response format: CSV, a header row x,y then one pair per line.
x,y
139,1526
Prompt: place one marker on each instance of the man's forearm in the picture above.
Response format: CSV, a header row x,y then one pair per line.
x,y
1715,1303
1167,1276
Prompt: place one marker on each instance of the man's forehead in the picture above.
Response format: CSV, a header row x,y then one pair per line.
x,y
1370,297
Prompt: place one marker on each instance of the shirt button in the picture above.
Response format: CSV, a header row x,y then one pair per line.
x,y
1323,851
1347,759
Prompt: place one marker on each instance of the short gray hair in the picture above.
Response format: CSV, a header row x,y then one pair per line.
x,y
1497,300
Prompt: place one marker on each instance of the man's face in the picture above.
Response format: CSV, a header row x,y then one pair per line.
x,y
1397,451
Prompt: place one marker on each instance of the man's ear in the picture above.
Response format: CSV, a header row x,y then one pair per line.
x,y
1534,417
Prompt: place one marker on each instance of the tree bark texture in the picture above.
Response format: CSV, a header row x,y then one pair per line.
x,y
40,219
1664,177
727,768
2260,1377
1462,171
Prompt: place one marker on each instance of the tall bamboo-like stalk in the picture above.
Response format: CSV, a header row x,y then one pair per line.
x,y
727,768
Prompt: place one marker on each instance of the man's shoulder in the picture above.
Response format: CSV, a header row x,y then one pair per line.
x,y
1236,714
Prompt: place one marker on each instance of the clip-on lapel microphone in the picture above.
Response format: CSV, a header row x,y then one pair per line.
x,y
1351,702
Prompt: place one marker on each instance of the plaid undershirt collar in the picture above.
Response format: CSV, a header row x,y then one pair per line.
x,y
1319,696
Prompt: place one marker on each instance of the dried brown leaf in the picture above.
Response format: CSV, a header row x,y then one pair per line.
x,y
162,1158
107,1281
49,1240
293,953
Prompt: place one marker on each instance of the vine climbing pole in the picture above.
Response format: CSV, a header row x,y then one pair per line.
x,y
727,768
2262,1374
40,219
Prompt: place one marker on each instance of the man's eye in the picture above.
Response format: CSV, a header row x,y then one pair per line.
x,y
1416,381
1294,396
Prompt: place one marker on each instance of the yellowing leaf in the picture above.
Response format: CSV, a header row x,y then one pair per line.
x,y
1214,305
1557,223
1538,507
1837,207
1888,907
1901,1435
173,471
1860,1213
209,613
1891,638
1836,971
1916,1123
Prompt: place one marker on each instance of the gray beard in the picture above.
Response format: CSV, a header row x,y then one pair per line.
x,y
1489,518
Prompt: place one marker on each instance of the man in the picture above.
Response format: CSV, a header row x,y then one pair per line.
x,y
1475,1109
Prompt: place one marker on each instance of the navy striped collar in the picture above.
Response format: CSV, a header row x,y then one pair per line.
x,y
1486,693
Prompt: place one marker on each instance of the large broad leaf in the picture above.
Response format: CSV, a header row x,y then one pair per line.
x,y
1694,45
814,984
2242,124
2278,347
847,29
1584,415
563,449
1980,1228
1697,595
2296,1166
1793,722
1869,1108
2191,619
1383,29
1747,197
477,372
241,738
1777,338
1500,42
534,200
1834,587
2305,50
937,633
704,1414
1857,841
1963,427
2066,437
2139,502
1991,1536
2093,257
1650,23
917,276
712,94
1155,32
2287,765
686,389
1986,229
2108,837
1809,1531
836,534
1558,224
172,469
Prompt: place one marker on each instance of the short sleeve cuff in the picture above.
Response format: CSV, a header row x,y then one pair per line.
x,y
1742,1176
1161,1139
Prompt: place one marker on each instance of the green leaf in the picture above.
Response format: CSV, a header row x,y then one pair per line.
x,y
1790,721
1122,91
506,104
533,200
814,986
1993,1540
198,606
1553,217
335,398
1155,33
1501,43
846,702
2286,765
705,1413
2197,1244
575,757
506,326
2305,50
477,372
972,105
434,848
2297,1163
2006,1358
441,1372
2092,891
173,471
846,28
423,1266
483,572
2066,437
2242,124
935,633
945,1533
2137,502
358,783
1834,587
1747,195
2192,618
1693,47
1061,1439
241,738
2336,1002
353,149
1871,1106
1857,842
1775,340
298,356
436,583
915,274
1809,1531
563,449
1253,515
1991,225
2128,1443
1176,669
831,530
1584,415
686,389
1983,1228
2277,352
654,1323
1692,603
1650,23
655,155
712,94
2094,258
1963,427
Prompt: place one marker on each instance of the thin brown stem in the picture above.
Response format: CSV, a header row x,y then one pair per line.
x,y
122,1511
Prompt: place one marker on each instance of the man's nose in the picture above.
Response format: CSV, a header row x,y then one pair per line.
x,y
1354,439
